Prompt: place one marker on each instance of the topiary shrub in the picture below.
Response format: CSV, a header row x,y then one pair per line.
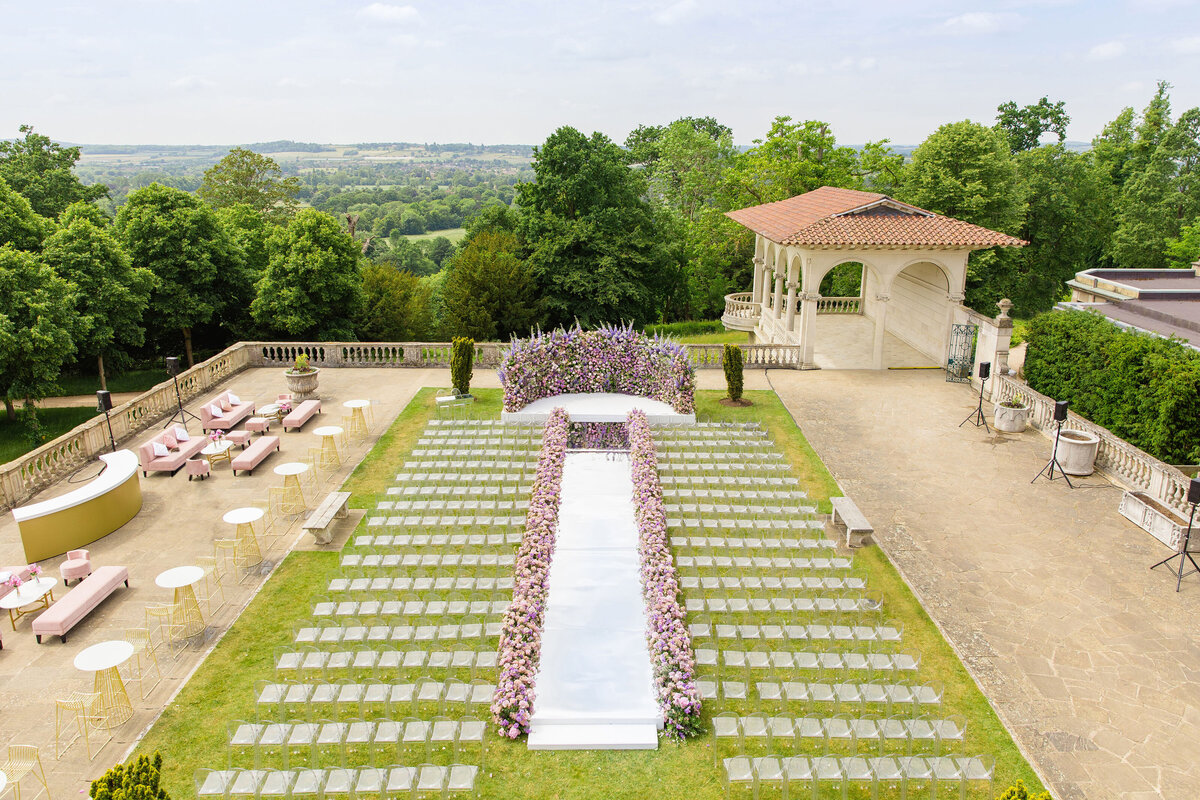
x,y
462,356
733,371
1018,792
135,781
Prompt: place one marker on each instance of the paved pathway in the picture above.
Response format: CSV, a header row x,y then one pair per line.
x,y
1089,657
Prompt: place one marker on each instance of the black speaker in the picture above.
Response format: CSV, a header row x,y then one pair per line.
x,y
172,366
1194,491
985,370
1060,410
103,401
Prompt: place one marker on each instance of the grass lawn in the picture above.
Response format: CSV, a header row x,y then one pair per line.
x,y
56,422
138,380
453,234
724,337
192,731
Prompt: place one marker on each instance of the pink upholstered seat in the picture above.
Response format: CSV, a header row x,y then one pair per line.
x,y
197,467
78,565
240,438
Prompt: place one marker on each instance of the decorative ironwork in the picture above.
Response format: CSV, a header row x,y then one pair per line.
x,y
961,355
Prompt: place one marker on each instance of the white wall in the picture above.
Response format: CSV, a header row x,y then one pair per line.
x,y
917,314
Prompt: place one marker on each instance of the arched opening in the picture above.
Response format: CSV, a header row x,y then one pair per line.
x,y
844,280
917,314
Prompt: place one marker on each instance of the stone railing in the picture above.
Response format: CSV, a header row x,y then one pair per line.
x,y
1127,464
369,354
740,313
839,305
711,356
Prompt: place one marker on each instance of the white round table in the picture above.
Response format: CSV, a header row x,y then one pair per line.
x,y
181,580
291,469
242,516
218,451
247,551
357,427
331,459
103,659
37,592
293,495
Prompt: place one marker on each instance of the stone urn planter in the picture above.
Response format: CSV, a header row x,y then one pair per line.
x,y
1077,452
1011,416
302,385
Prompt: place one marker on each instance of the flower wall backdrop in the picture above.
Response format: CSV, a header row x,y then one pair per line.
x,y
521,632
613,358
667,634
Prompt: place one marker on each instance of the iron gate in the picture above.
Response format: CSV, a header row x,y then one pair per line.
x,y
961,355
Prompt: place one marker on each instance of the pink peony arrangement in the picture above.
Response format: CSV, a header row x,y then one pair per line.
x,y
667,634
613,358
521,631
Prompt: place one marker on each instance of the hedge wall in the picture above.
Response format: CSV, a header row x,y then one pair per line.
x,y
1143,388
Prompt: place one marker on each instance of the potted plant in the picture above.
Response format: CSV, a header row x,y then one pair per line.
x,y
1012,415
1077,451
302,379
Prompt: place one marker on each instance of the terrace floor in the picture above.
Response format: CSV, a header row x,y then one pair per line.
x,y
1045,592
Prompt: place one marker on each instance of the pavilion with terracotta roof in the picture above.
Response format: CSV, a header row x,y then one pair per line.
x,y
914,270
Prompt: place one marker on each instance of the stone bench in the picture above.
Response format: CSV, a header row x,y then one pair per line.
x,y
301,414
253,455
335,506
844,509
79,602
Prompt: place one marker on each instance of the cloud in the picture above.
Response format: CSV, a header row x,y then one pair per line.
x,y
385,12
291,83
674,12
980,22
1106,51
192,83
1188,46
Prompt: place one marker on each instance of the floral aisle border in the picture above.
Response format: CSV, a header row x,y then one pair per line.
x,y
612,358
667,634
521,632
598,436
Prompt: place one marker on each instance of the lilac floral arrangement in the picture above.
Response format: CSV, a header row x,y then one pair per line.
x,y
598,436
612,358
521,631
667,634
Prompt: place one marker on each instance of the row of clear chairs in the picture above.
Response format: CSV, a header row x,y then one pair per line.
x,y
891,631
504,478
799,539
728,483
740,735
911,697
773,582
378,662
410,604
472,506
379,699
397,523
798,775
391,561
357,741
382,631
470,466
792,564
361,783
422,583
816,664
832,601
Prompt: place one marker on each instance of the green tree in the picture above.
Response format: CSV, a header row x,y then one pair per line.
x,y
794,158
256,180
490,293
43,171
113,295
20,226
395,306
38,326
1184,251
199,267
595,244
965,170
312,288
1026,125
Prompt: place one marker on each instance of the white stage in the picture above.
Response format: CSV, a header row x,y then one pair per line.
x,y
594,687
599,407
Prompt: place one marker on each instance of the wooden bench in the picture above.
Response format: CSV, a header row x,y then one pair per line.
x,y
301,414
845,509
79,602
335,506
253,455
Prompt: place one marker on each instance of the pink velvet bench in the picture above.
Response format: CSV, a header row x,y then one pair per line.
x,y
301,414
79,602
253,455
258,424
240,438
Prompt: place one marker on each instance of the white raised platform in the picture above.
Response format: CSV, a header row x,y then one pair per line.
x,y
595,686
599,407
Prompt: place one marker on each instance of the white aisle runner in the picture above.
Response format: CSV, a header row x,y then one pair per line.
x,y
594,687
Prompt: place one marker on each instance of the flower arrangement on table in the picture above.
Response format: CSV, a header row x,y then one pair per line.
x,y
521,631
667,634
15,581
217,436
612,358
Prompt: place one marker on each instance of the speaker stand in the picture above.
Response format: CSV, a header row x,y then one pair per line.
x,y
976,417
1048,470
182,415
1183,554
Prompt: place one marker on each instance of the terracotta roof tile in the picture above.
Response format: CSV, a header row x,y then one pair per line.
x,y
829,217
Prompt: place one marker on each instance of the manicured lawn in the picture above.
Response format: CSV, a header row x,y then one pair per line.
x,y
192,731
138,380
724,337
55,421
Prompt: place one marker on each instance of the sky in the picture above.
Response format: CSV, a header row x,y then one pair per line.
x,y
487,72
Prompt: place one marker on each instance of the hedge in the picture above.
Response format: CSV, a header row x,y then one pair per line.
x,y
1143,388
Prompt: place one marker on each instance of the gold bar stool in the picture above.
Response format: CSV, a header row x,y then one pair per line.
x,y
143,659
103,659
24,760
181,580
248,553
293,495
330,458
84,709
356,423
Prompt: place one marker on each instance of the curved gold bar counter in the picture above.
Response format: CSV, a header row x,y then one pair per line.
x,y
77,518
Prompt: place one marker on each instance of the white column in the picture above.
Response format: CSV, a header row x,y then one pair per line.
x,y
880,328
756,287
777,301
808,327
765,291
791,305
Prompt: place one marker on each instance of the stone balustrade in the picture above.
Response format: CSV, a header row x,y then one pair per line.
x,y
839,305
1129,465
740,313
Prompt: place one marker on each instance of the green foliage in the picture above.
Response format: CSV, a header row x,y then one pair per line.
x,y
138,780
462,356
490,292
794,158
1143,388
38,325
312,288
733,371
395,306
689,328
31,427
20,226
41,170
1018,792
844,280
1024,126
1184,250
250,230
245,177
